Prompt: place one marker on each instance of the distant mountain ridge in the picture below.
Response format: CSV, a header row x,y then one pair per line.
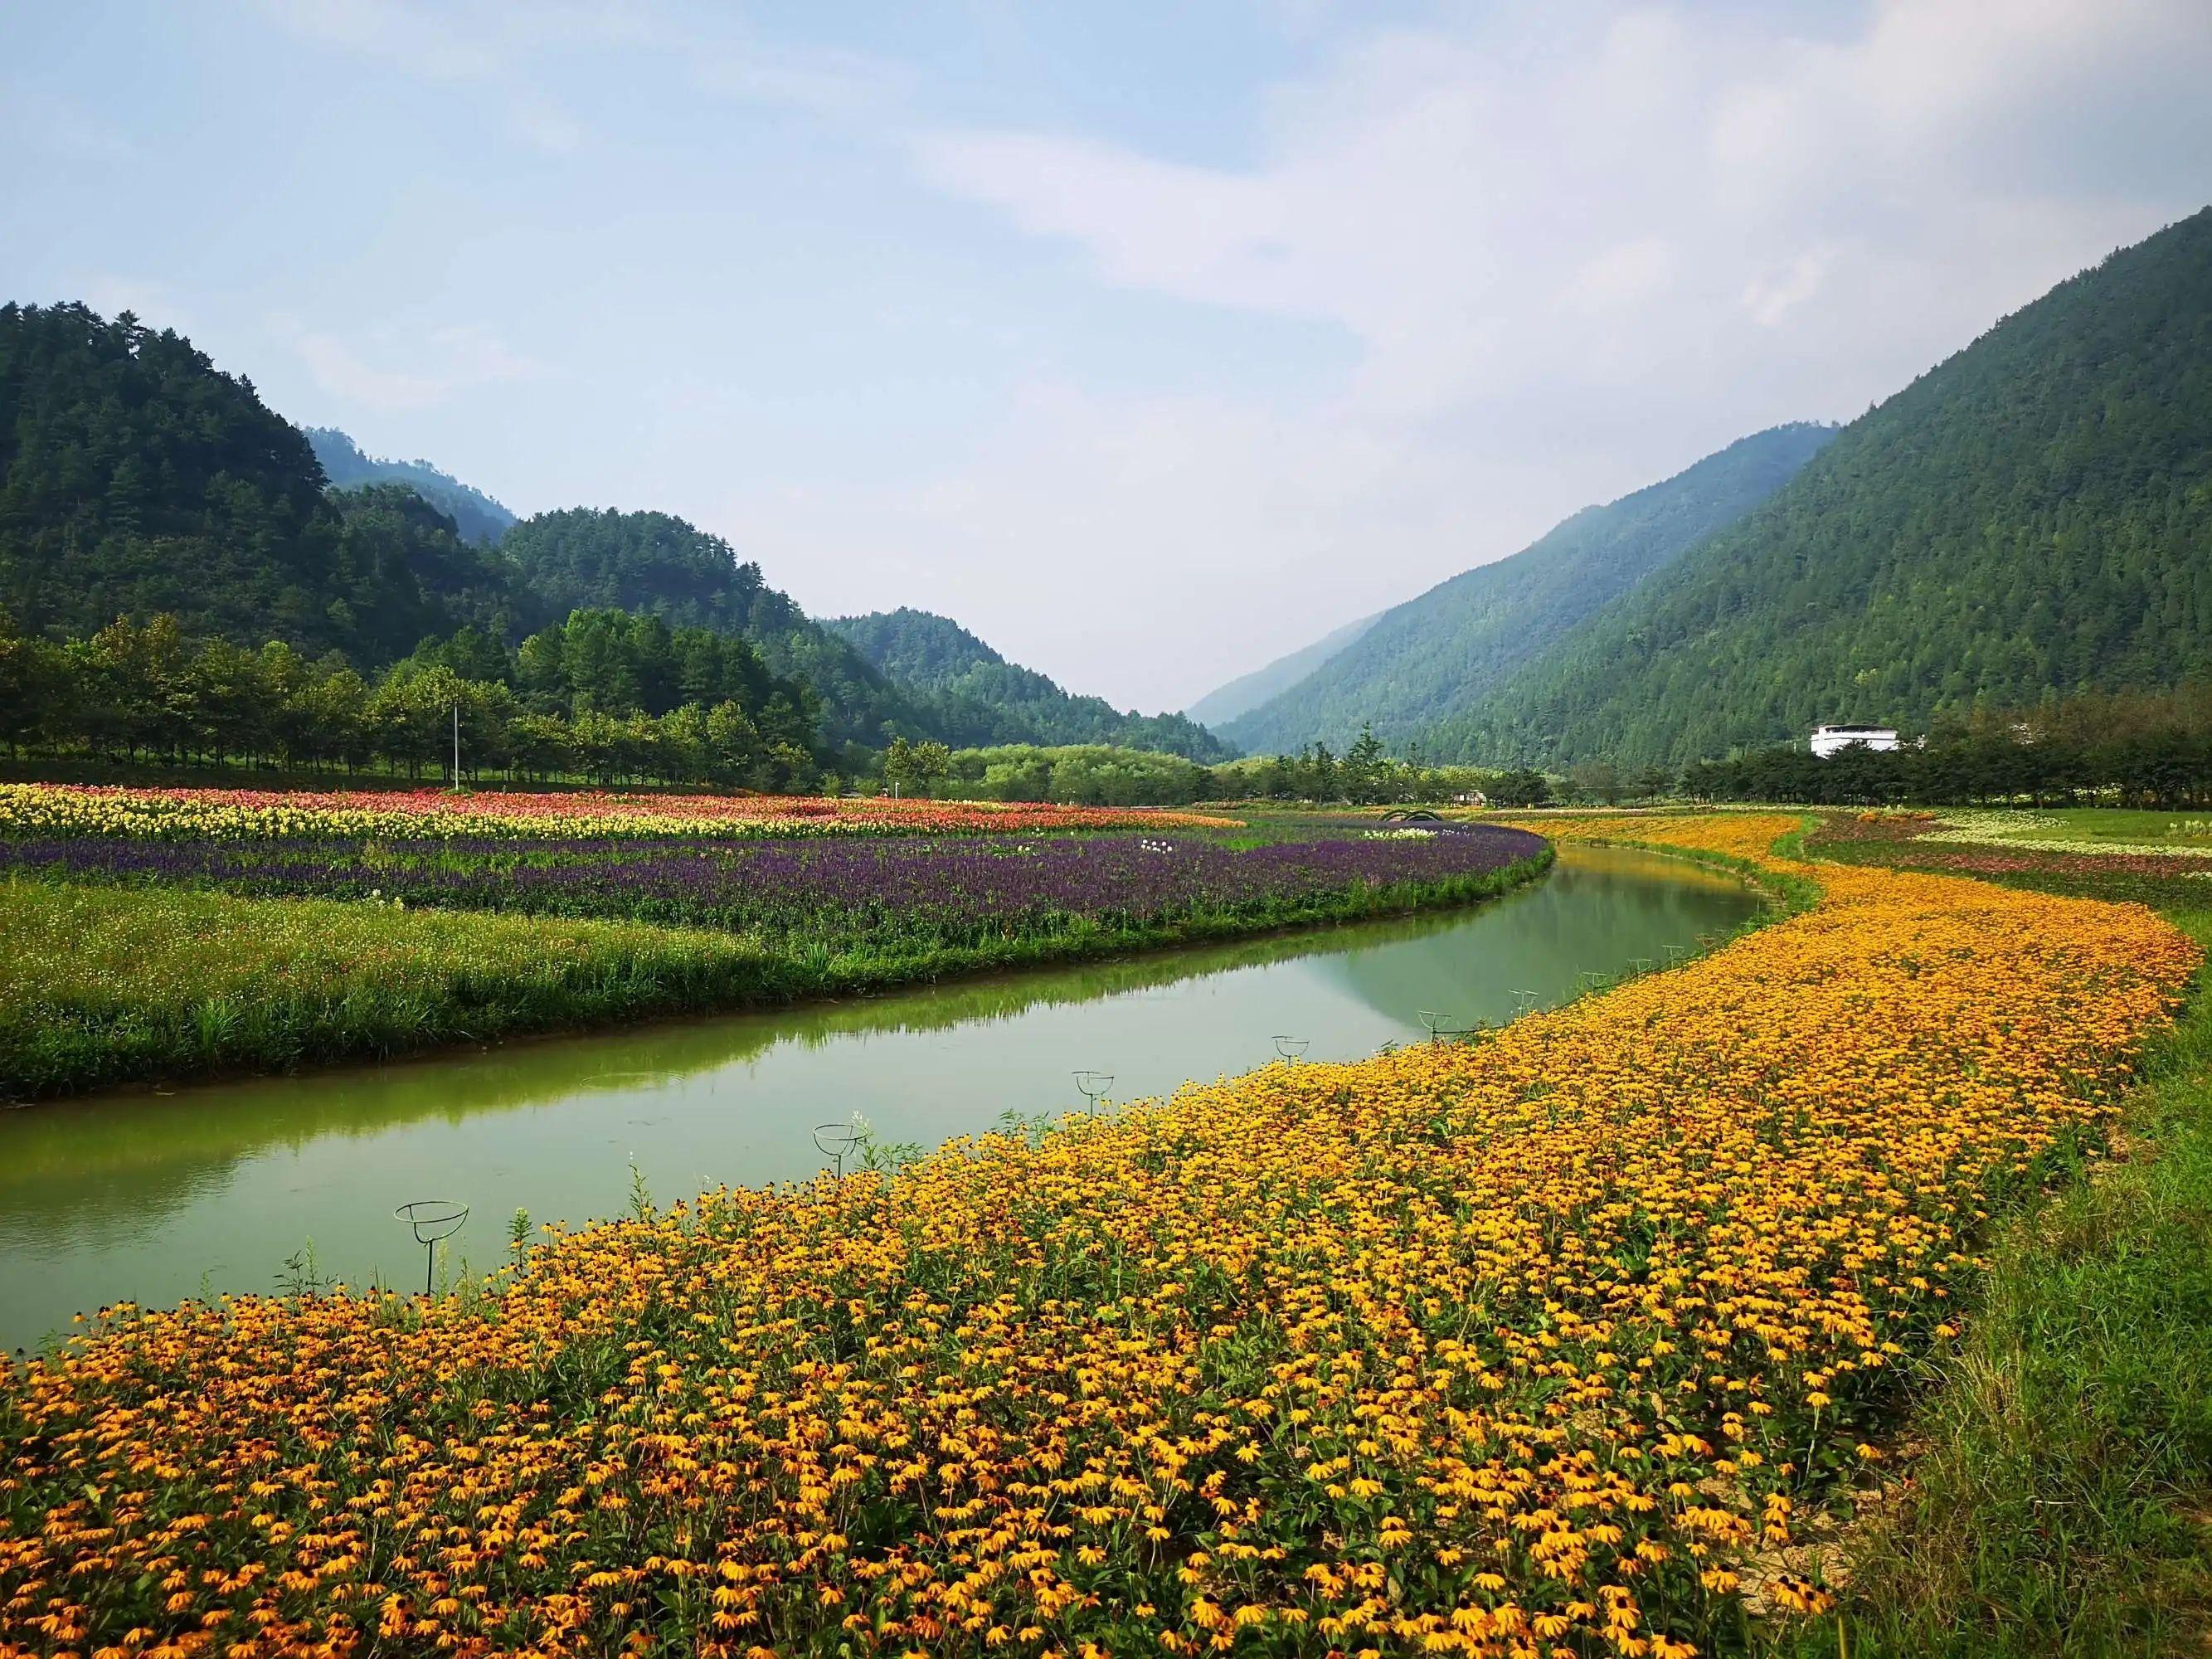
x,y
2033,514
1248,692
476,517
975,692
1433,657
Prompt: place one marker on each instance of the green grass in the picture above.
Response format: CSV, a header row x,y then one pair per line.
x,y
2059,1495
103,984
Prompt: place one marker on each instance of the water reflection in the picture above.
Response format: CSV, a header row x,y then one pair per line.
x,y
154,1196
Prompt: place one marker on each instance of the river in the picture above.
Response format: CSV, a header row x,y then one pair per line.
x,y
154,1195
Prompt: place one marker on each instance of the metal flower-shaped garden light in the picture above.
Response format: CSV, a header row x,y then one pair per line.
x,y
833,1140
1442,1025
432,1220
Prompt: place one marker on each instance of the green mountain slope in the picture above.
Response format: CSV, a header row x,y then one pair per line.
x,y
1248,692
654,564
1433,657
984,700
137,478
2035,512
476,515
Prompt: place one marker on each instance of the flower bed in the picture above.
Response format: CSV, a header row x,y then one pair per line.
x,y
2088,869
1540,1344
2039,832
51,809
837,893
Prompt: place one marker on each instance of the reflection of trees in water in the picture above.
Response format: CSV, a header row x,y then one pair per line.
x,y
1600,907
120,1162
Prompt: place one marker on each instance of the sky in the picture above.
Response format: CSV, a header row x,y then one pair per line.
x,y
1150,341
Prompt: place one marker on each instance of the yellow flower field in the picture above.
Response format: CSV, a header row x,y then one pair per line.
x,y
1540,1345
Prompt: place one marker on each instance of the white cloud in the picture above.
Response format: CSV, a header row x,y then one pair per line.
x,y
498,43
1771,294
413,373
420,39
1623,274
487,42
837,85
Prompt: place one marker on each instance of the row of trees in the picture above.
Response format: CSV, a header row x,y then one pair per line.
x,y
1099,774
1079,774
2147,749
2150,750
137,693
1365,774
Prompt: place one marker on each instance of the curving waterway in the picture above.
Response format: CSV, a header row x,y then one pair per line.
x,y
156,1195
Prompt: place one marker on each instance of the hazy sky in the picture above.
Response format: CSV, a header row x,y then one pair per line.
x,y
1148,340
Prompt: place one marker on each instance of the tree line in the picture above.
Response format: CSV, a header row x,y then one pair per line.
x,y
2150,750
1367,774
605,696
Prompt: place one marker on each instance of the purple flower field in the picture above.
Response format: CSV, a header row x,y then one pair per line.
x,y
917,890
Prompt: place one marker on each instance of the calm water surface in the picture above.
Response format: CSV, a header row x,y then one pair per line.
x,y
152,1197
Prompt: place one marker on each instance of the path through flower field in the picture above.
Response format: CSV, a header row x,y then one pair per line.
x,y
1546,1343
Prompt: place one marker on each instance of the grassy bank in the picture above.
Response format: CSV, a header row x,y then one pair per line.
x,y
105,983
2060,1501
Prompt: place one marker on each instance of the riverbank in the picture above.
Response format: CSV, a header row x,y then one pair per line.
x,y
167,976
160,1192
1553,1338
2060,1502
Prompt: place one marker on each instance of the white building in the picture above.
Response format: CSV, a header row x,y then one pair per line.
x,y
1828,740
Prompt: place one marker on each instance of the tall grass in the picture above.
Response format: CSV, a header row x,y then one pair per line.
x,y
103,984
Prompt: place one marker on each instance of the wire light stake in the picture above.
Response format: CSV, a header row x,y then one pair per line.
x,y
432,1220
833,1140
1094,1085
1442,1025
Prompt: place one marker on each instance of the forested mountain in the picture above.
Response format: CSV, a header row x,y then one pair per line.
x,y
476,515
983,699
1248,692
1438,654
658,565
136,478
2032,514
139,480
